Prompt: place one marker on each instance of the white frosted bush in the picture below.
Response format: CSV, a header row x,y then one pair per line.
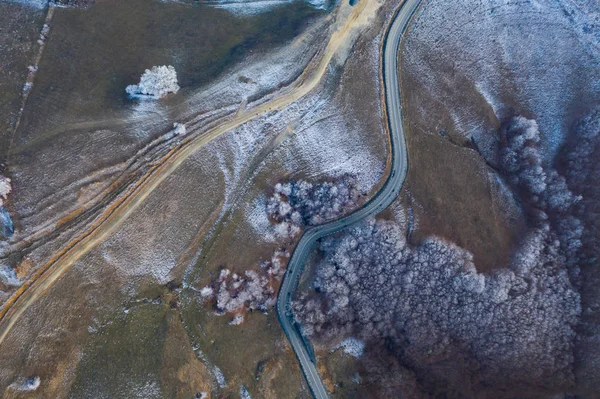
x,y
155,83
5,188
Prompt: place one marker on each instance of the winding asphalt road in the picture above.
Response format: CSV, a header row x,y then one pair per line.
x,y
377,204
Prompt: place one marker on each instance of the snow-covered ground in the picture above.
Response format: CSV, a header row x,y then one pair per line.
x,y
539,58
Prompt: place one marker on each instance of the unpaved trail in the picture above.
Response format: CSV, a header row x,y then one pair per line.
x,y
348,20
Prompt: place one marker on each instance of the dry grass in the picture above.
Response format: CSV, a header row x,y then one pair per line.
x,y
451,190
19,32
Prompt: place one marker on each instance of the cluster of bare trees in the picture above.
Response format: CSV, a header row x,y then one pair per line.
x,y
5,189
237,294
292,206
510,328
300,203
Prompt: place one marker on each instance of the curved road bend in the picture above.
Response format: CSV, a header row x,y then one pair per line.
x,y
378,203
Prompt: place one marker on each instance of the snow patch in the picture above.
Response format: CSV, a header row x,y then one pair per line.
x,y
179,129
353,346
244,394
29,384
8,276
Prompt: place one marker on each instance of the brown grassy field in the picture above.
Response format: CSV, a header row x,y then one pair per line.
x,y
452,189
18,44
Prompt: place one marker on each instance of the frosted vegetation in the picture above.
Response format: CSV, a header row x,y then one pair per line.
x,y
293,206
155,83
516,324
5,189
237,294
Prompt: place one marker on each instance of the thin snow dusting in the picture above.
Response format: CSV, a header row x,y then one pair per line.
x,y
148,390
259,220
335,146
538,57
257,75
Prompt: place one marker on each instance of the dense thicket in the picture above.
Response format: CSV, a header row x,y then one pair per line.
x,y
508,331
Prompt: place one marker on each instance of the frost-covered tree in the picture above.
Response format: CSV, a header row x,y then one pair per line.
x,y
544,192
432,303
520,159
155,83
179,129
236,294
292,206
5,189
522,162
